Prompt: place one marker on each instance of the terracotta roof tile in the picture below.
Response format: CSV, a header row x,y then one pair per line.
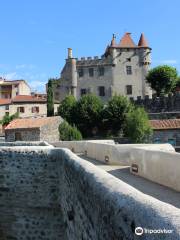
x,y
27,98
142,41
165,124
4,101
22,123
126,41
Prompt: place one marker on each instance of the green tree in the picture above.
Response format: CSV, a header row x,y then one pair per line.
x,y
50,99
8,118
114,114
66,108
69,133
137,127
177,87
87,114
162,79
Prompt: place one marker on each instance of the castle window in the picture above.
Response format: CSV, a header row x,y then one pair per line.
x,y
83,91
91,72
81,72
101,71
128,70
101,91
128,89
128,59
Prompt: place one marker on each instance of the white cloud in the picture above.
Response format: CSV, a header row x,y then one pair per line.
x,y
11,76
37,85
166,61
170,61
25,66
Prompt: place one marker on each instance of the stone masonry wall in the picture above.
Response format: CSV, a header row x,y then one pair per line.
x,y
160,104
29,195
52,194
26,134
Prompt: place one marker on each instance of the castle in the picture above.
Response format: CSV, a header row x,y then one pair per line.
x,y
120,70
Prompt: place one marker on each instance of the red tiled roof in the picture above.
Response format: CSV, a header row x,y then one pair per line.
x,y
126,41
22,123
22,99
142,41
165,124
27,98
4,101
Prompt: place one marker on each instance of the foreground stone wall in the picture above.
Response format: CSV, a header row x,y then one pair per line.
x,y
29,195
158,166
32,134
52,194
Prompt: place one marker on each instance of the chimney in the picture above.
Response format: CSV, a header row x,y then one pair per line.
x,y
70,53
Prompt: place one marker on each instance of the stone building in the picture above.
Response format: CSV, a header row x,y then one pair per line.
x,y
26,106
33,129
120,70
10,89
166,131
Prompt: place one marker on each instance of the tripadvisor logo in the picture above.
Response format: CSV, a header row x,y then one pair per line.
x,y
139,231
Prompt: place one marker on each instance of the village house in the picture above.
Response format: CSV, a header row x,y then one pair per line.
x,y
166,131
33,129
11,88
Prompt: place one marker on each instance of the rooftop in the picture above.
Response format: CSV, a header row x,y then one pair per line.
x,y
31,122
165,124
22,99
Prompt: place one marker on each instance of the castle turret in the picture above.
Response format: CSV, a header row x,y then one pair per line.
x,y
113,50
72,71
144,61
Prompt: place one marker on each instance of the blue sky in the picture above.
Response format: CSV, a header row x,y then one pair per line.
x,y
35,34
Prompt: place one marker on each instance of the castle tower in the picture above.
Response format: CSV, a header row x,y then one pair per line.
x,y
144,61
73,72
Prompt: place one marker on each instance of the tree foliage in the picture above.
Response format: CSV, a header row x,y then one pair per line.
x,y
177,84
66,108
69,133
114,113
50,99
137,127
162,79
8,118
87,114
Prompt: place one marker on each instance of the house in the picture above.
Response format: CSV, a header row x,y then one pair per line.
x,y
122,69
166,131
11,88
26,106
33,129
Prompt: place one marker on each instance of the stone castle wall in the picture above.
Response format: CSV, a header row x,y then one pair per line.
x,y
160,104
48,193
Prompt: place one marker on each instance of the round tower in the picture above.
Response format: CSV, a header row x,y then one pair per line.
x,y
145,61
73,72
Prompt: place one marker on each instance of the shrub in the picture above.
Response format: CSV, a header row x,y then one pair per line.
x,y
137,127
87,114
8,118
114,114
69,133
66,108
